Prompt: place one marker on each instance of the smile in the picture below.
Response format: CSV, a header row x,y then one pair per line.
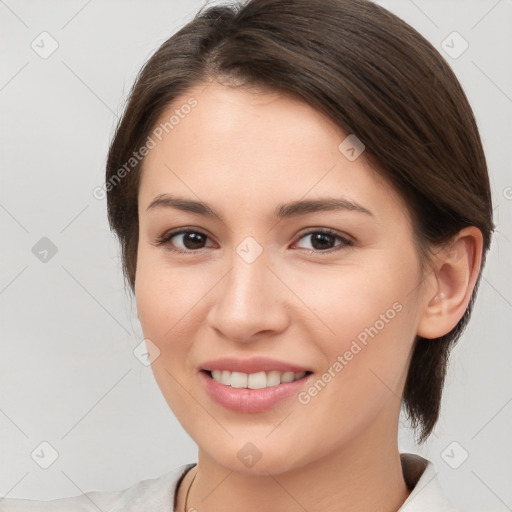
x,y
259,380
233,390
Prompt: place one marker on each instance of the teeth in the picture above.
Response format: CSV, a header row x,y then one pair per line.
x,y
238,380
258,380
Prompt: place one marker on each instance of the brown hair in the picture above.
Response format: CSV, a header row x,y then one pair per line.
x,y
374,76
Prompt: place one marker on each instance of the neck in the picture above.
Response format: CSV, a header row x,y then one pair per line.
x,y
366,474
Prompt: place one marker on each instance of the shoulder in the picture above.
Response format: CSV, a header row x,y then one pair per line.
x,y
150,495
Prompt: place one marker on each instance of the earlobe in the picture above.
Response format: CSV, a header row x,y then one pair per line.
x,y
455,272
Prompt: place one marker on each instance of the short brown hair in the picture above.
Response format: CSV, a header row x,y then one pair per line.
x,y
374,76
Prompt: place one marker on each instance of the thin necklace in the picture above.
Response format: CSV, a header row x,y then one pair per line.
x,y
188,490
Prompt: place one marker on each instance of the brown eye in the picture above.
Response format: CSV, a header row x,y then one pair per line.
x,y
183,241
325,241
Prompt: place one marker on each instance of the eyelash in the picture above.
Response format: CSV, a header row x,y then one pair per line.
x,y
346,242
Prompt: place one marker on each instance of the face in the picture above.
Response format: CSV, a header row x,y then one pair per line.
x,y
331,289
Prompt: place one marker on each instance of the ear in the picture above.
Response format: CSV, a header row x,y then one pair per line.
x,y
451,283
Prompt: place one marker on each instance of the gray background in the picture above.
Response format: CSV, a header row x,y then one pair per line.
x,y
68,375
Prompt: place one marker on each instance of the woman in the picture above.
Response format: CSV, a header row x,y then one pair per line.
x,y
252,137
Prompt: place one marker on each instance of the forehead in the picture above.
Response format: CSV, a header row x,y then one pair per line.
x,y
261,123
235,146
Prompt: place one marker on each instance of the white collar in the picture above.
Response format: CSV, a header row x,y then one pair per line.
x,y
420,475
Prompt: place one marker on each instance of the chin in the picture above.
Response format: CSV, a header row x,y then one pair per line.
x,y
248,459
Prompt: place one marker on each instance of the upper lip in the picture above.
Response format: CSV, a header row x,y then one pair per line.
x,y
251,365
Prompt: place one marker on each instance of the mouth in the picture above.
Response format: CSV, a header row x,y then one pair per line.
x,y
258,380
254,384
252,392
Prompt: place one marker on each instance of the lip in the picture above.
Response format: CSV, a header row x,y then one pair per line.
x,y
251,365
250,400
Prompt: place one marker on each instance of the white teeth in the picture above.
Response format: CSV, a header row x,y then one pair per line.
x,y
273,378
226,378
238,380
287,377
258,380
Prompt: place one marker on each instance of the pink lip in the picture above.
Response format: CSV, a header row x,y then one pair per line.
x,y
250,400
251,365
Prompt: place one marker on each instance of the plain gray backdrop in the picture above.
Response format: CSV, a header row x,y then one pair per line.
x,y
68,374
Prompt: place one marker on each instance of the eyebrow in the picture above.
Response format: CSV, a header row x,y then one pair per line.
x,y
286,210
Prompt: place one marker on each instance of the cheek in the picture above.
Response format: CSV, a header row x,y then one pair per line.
x,y
368,323
172,305
360,386
354,301
165,296
165,301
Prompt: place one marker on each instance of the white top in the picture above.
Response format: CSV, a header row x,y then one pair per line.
x,y
157,494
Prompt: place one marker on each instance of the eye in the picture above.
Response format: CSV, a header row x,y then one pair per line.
x,y
323,241
190,240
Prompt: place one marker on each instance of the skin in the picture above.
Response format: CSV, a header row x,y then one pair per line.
x,y
244,152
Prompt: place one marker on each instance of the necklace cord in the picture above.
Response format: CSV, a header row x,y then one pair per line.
x,y
188,490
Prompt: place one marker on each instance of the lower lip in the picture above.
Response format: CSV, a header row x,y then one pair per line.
x,y
250,400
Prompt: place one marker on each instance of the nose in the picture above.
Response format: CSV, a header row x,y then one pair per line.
x,y
249,302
